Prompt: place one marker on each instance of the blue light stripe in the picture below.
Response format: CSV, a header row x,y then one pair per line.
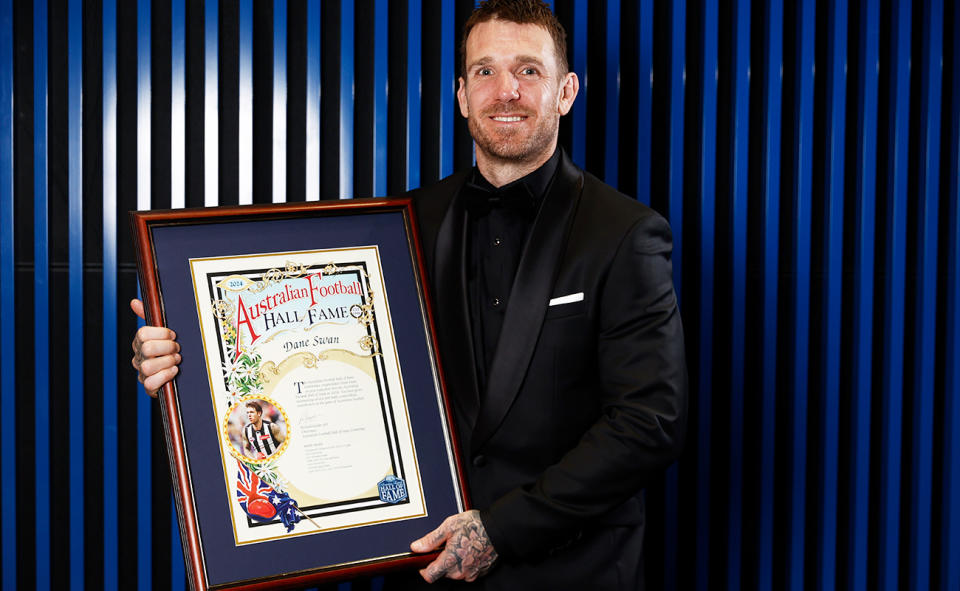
x,y
8,334
644,97
414,40
579,65
739,187
178,103
802,198
144,402
245,101
211,139
177,199
346,99
75,289
41,297
678,81
708,195
110,307
612,114
448,78
950,533
863,257
772,99
829,418
927,194
891,385
313,101
178,571
279,101
380,97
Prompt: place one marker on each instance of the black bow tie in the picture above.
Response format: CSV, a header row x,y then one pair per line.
x,y
480,200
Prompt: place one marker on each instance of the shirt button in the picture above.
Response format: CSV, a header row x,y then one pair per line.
x,y
496,302
497,241
480,461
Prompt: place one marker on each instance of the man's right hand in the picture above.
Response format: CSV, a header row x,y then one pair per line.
x,y
155,353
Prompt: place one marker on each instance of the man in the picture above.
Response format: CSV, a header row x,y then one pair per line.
x,y
557,325
260,437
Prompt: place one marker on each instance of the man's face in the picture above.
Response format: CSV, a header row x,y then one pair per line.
x,y
513,94
252,415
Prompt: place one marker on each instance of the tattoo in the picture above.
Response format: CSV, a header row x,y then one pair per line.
x,y
468,553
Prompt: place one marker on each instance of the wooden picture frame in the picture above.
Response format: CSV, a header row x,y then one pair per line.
x,y
308,430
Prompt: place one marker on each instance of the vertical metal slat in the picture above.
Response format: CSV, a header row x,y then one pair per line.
x,y
772,100
211,139
414,28
950,533
178,103
802,197
707,223
41,297
313,101
279,101
644,34
448,86
75,289
678,82
8,350
245,101
579,112
346,99
380,98
829,419
891,386
927,194
111,563
740,135
144,403
612,114
863,280
178,150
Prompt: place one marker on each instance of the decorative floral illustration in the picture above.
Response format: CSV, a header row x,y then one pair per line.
x,y
242,374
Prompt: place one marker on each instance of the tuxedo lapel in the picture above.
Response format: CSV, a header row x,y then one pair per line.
x,y
529,298
460,372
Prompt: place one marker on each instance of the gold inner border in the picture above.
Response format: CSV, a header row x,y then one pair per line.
x,y
403,402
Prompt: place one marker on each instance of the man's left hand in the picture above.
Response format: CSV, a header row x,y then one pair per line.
x,y
467,551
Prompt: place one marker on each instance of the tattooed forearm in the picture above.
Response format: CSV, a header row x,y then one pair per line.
x,y
468,552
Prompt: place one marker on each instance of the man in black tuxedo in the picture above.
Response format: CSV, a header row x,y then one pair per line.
x,y
557,325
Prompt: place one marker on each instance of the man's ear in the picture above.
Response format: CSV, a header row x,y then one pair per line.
x,y
462,97
569,87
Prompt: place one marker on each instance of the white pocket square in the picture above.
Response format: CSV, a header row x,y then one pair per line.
x,y
567,299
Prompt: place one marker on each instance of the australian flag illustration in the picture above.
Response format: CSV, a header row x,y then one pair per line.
x,y
261,502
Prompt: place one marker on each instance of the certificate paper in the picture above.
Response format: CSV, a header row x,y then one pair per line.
x,y
306,387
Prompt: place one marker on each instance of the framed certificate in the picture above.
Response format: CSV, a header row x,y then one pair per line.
x,y
308,431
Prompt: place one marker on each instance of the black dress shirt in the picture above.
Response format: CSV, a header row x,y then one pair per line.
x,y
498,224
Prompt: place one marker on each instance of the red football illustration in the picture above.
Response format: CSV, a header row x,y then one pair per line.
x,y
261,508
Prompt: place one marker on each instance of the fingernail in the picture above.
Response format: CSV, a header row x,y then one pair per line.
x,y
177,356
176,369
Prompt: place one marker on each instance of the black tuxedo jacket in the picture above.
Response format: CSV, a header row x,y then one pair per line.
x,y
586,400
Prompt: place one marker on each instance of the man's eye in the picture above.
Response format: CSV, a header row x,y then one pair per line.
x,y
528,72
484,71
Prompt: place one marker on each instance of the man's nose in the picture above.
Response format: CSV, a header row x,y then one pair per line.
x,y
508,87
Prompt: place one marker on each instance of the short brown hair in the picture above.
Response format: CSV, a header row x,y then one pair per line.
x,y
522,12
255,406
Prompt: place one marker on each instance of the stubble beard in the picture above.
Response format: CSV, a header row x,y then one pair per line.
x,y
510,145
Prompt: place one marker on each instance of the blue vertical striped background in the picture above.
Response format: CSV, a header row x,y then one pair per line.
x,y
807,155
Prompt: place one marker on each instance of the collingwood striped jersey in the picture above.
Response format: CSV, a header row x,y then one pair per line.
x,y
262,441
